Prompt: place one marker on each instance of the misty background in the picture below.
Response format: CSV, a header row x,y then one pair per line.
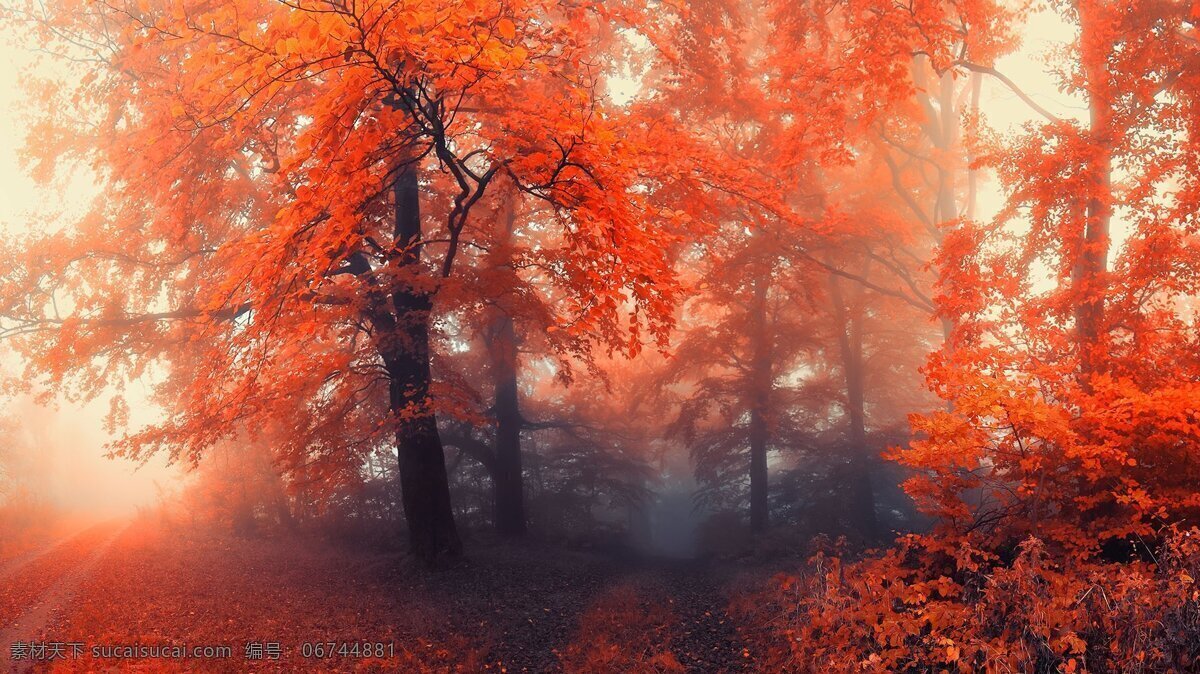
x,y
75,474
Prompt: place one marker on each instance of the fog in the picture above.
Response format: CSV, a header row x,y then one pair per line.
x,y
545,336
68,469
76,473
62,443
63,460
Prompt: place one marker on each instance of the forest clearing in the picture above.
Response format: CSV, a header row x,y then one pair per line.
x,y
508,608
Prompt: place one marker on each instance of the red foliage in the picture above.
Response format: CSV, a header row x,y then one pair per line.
x,y
622,632
915,610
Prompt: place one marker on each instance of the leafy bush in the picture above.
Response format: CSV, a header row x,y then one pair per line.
x,y
916,609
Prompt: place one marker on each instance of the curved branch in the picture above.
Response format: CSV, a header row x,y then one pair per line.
x,y
987,70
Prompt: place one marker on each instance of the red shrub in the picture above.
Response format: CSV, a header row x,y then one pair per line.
x,y
914,610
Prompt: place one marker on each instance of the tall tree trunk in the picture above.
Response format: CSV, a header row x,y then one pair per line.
x,y
972,170
508,475
862,493
759,479
425,489
760,383
948,115
1092,263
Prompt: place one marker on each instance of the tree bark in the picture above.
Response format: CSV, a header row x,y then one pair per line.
x,y
862,493
1092,262
424,486
760,383
947,204
759,479
508,475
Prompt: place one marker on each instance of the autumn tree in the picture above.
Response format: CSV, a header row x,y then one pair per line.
x,y
511,324
894,86
1062,471
742,340
594,458
796,89
1069,418
702,64
28,459
584,439
500,335
286,197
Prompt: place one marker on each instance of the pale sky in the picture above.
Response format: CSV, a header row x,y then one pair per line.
x,y
18,194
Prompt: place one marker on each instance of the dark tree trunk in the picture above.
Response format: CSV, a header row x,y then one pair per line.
x,y
507,472
282,506
508,475
862,493
760,393
759,480
425,489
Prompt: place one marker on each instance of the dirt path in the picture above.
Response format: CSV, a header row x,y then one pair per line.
x,y
41,586
510,608
705,636
13,564
533,618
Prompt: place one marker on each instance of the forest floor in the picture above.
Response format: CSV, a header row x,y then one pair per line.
x,y
505,608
